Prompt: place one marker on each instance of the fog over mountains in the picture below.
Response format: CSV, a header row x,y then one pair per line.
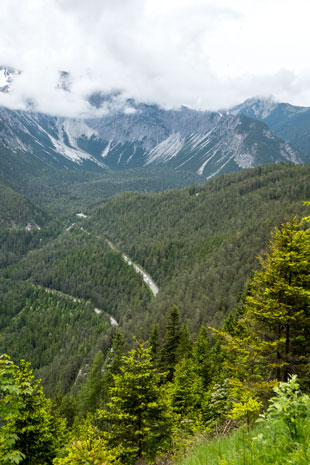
x,y
120,133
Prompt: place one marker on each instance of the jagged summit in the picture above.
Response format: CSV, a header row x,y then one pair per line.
x,y
289,122
124,133
208,143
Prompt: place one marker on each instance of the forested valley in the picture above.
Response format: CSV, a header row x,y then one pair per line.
x,y
97,369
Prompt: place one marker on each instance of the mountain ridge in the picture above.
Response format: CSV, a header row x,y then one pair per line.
x,y
125,134
290,123
207,143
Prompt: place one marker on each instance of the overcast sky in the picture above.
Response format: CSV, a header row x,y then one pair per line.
x,y
206,54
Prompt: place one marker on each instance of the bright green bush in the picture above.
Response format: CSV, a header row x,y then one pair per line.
x,y
92,451
281,436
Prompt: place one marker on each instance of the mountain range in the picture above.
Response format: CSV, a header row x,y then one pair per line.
x,y
138,135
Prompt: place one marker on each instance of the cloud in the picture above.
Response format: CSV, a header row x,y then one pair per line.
x,y
205,54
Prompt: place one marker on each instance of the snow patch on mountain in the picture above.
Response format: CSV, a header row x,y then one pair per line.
x,y
221,167
72,154
7,75
133,154
267,133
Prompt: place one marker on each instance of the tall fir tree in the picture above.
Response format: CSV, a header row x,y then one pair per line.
x,y
137,416
154,343
186,393
201,356
112,364
90,395
170,352
186,343
271,338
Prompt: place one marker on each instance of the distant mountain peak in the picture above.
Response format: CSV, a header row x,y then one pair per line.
x,y
256,107
7,75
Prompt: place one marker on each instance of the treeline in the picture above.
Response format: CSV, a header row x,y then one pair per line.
x,y
152,400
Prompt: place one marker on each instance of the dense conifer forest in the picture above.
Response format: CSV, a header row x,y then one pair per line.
x,y
221,353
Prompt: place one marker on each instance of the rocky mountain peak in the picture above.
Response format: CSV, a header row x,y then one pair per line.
x,y
256,107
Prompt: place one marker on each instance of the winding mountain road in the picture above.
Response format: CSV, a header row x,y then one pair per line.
x,y
146,277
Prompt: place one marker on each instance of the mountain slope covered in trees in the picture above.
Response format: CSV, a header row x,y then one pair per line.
x,y
203,142
23,226
200,244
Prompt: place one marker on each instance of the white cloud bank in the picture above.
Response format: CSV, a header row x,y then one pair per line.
x,y
206,54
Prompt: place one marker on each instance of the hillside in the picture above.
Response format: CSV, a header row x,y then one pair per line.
x,y
200,244
72,304
23,226
289,122
17,212
63,191
49,300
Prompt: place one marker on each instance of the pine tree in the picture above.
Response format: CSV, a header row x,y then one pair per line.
x,y
154,343
112,364
271,338
170,353
201,356
186,392
278,305
90,394
136,415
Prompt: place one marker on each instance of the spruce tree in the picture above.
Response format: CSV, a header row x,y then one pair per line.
x,y
186,343
186,393
112,364
271,338
154,343
90,394
136,416
278,305
201,356
10,402
170,353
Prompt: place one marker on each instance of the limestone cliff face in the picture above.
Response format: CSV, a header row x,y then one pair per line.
x,y
209,143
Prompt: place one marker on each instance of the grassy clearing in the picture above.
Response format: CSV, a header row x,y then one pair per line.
x,y
266,444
